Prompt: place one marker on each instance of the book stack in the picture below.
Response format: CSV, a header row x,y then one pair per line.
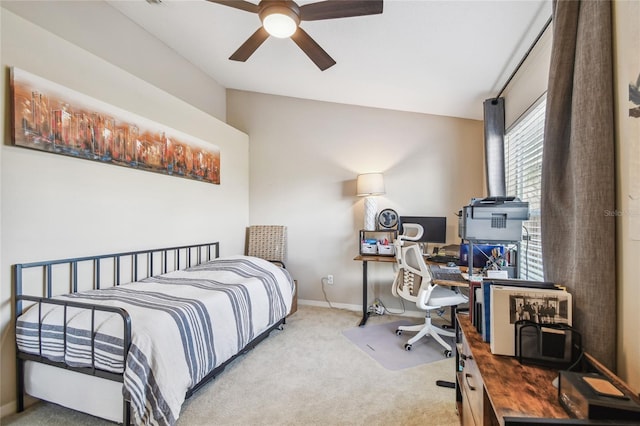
x,y
495,305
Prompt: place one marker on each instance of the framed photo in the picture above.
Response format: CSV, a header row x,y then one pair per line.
x,y
510,304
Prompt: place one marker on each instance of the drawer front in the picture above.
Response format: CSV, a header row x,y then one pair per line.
x,y
467,415
471,384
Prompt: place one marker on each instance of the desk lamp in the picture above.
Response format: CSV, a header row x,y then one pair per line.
x,y
369,185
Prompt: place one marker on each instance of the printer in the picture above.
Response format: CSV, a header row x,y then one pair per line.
x,y
493,219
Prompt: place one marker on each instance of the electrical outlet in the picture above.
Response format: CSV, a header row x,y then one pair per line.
x,y
330,279
377,308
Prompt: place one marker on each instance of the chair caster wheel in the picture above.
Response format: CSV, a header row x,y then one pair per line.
x,y
448,353
398,332
407,347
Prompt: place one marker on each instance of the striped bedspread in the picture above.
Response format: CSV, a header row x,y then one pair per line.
x,y
184,324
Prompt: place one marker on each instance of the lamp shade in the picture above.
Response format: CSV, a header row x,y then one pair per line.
x,y
370,184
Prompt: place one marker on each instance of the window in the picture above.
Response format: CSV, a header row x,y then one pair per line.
x,y
523,178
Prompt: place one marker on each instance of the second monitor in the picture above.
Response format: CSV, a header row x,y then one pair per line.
x,y
435,228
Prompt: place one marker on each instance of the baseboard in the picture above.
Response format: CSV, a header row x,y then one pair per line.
x,y
323,304
12,407
8,409
355,308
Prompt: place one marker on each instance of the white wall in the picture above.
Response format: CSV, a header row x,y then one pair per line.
x,y
102,30
305,156
54,206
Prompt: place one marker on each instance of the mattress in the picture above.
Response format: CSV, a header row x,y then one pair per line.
x,y
184,324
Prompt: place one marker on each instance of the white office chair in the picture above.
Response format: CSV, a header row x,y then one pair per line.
x,y
413,283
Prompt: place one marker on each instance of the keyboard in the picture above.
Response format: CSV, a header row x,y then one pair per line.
x,y
446,275
441,258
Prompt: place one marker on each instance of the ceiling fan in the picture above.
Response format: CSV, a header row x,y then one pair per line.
x,y
281,18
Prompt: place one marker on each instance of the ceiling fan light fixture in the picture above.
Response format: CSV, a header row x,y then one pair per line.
x,y
280,21
281,18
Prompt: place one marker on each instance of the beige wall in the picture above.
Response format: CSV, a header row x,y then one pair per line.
x,y
54,206
530,82
105,32
627,65
305,156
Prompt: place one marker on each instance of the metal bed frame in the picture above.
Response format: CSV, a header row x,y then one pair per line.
x,y
142,264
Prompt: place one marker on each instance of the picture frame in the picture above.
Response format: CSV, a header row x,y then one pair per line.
x,y
509,304
49,117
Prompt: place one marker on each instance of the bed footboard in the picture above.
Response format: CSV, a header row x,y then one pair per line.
x,y
21,357
44,280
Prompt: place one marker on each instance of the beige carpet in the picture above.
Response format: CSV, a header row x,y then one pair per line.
x,y
308,374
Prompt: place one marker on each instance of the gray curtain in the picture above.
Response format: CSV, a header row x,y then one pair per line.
x,y
494,146
578,171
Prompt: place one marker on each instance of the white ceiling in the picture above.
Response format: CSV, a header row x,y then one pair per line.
x,y
426,56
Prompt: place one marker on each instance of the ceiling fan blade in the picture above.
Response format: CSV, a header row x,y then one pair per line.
x,y
331,9
238,4
312,49
250,46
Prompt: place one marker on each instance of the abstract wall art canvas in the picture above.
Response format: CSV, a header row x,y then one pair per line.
x,y
49,117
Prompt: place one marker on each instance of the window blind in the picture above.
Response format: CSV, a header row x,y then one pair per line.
x,y
523,178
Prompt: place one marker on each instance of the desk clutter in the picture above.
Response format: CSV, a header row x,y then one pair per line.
x,y
377,243
446,273
496,305
486,257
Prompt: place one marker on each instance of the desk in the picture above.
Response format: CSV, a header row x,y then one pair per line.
x,y
491,387
389,259
365,280
498,390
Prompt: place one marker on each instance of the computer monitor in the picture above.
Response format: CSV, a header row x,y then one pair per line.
x,y
435,228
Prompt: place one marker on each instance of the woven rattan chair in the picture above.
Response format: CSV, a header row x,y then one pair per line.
x,y
268,242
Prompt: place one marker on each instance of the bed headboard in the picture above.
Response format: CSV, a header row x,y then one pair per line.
x,y
53,277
